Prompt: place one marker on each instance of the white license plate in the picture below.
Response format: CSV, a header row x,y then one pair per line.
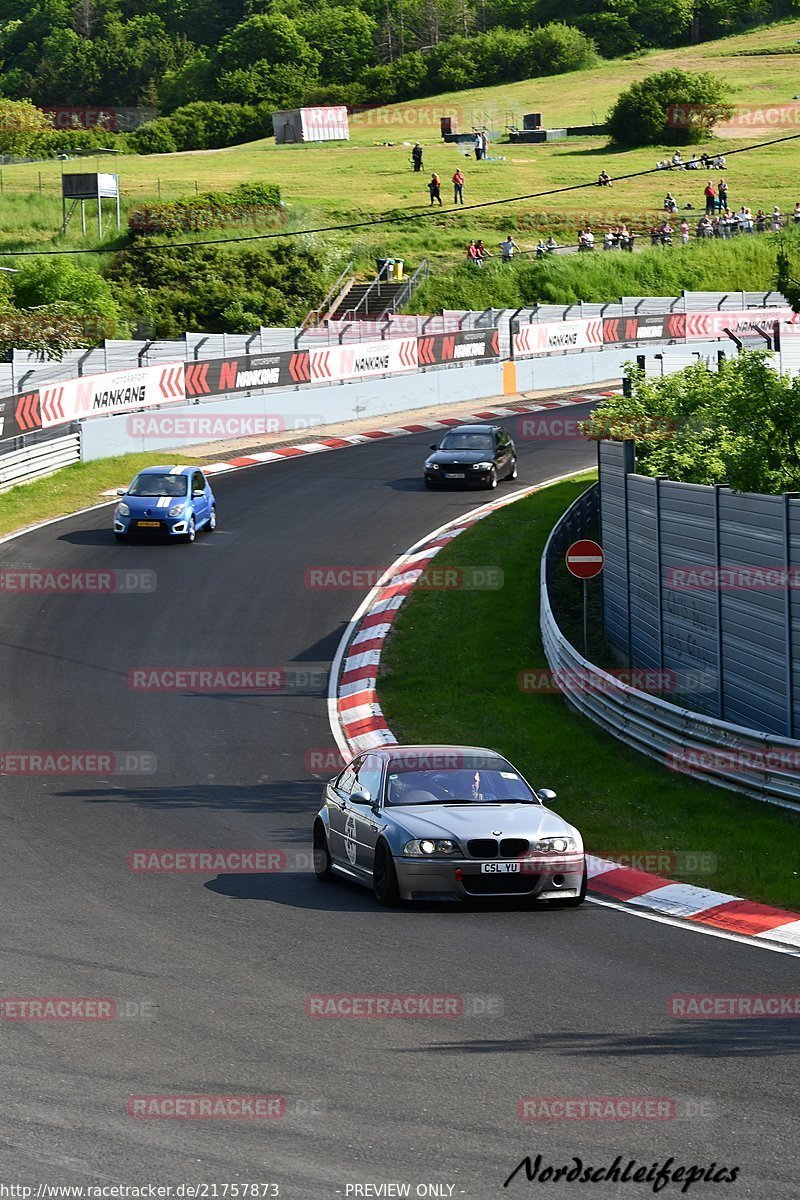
x,y
500,868
461,476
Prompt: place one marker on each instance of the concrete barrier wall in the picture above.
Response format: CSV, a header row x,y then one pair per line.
x,y
313,407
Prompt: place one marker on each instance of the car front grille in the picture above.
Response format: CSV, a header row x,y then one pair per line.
x,y
490,848
482,848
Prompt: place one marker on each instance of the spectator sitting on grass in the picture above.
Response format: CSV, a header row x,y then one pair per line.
x,y
670,203
797,213
604,179
693,164
677,160
719,163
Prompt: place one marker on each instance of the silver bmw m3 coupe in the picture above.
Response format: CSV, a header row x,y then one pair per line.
x,y
446,823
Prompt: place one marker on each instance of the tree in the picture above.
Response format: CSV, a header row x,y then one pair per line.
x,y
343,38
20,124
739,426
670,107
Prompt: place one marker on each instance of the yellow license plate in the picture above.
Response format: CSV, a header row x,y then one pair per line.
x,y
149,524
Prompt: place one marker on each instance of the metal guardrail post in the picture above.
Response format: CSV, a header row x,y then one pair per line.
x,y
787,611
197,346
143,351
81,361
718,639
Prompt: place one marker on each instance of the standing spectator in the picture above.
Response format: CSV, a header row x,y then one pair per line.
x,y
484,145
586,239
665,233
458,186
745,219
777,219
731,223
508,247
625,238
710,193
704,228
761,221
722,196
435,189
473,255
416,157
684,232
550,244
541,249
482,251
609,241
478,147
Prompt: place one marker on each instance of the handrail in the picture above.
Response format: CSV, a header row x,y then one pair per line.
x,y
411,285
313,318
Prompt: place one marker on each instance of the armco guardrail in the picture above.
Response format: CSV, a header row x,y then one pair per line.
x,y
38,459
761,765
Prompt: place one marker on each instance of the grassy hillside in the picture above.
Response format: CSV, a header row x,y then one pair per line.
x,y
338,183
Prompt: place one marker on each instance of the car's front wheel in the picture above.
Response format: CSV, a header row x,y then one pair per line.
x,y
322,855
512,474
384,877
491,482
212,521
191,530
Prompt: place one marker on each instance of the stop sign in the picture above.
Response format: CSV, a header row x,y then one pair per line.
x,y
585,559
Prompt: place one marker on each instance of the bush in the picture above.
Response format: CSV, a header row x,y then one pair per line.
x,y
669,108
220,288
154,137
247,204
20,123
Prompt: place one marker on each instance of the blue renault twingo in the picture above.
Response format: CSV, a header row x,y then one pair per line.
x,y
175,502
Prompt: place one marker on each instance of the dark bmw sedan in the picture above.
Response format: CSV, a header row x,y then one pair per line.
x,y
472,455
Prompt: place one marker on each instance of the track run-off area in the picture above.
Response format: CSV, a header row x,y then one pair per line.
x,y
211,974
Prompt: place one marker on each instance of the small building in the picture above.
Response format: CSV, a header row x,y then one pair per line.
x,y
328,124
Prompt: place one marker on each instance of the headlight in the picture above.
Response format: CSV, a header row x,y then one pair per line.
x,y
432,466
177,509
425,847
487,466
123,510
555,845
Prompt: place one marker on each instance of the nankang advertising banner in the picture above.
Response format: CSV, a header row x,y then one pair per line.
x,y
245,373
555,337
701,326
360,360
468,345
19,414
111,392
657,327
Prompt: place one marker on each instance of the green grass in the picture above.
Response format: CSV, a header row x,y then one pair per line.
x,y
449,674
71,488
338,183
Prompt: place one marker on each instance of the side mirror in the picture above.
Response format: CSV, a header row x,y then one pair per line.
x,y
199,492
359,796
546,795
434,446
122,491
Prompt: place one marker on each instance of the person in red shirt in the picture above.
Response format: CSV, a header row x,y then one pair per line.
x,y
474,255
458,186
435,189
710,194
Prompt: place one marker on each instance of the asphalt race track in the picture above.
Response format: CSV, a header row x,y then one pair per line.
x,y
213,970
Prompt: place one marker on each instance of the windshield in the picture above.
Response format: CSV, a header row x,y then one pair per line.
x,y
464,784
159,485
466,441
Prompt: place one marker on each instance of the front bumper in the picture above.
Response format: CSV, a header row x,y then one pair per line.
x,y
470,477
165,527
551,877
